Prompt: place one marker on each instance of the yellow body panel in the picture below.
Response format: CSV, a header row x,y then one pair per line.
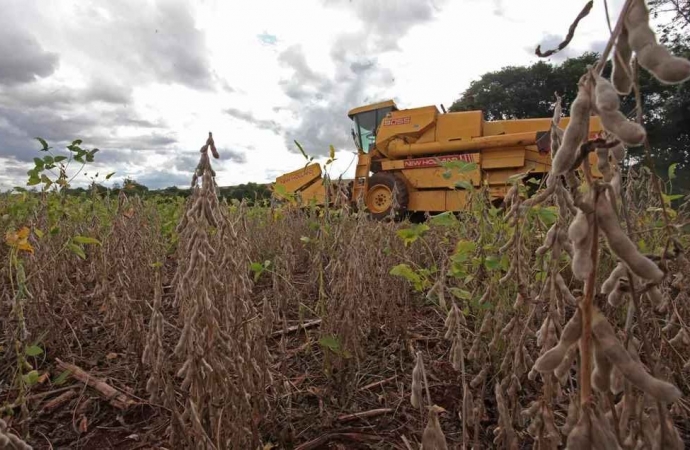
x,y
299,178
437,200
459,126
316,193
372,107
494,158
433,178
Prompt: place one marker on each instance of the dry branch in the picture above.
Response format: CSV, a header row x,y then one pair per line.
x,y
364,414
571,32
114,397
57,401
294,328
377,383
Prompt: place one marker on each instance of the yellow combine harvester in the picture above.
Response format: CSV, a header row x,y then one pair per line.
x,y
399,152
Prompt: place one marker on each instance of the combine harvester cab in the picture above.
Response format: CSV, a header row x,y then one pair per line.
x,y
401,152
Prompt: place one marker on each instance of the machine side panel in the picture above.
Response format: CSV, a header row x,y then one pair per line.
x,y
459,126
299,178
500,158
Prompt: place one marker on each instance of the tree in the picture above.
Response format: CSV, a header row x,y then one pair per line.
x,y
528,92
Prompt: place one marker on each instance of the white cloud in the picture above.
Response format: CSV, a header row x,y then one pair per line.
x,y
146,81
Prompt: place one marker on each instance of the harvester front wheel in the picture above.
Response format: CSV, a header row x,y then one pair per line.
x,y
384,190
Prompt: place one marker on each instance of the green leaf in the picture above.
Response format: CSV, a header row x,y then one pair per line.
x,y
55,230
77,250
458,165
547,215
39,163
305,239
107,177
464,184
464,247
446,219
85,240
492,262
461,293
672,171
45,180
406,272
44,144
301,150
669,198
58,159
33,350
332,152
410,235
330,342
38,233
60,379
30,378
516,177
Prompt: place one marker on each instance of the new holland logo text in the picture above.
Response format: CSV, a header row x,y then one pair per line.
x,y
432,162
397,121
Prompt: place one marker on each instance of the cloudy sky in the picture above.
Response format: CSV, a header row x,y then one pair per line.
x,y
144,81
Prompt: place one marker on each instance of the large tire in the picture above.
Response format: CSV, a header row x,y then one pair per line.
x,y
379,197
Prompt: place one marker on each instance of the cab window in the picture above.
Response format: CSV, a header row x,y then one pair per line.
x,y
367,124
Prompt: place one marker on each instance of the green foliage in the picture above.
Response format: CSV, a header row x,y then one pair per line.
x,y
44,168
259,268
411,234
332,343
420,279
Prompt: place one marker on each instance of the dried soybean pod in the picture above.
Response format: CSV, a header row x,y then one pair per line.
x,y
618,152
622,54
634,371
614,121
556,133
577,130
433,437
550,360
580,438
616,381
416,391
622,246
602,437
655,58
655,296
681,338
563,368
601,375
603,163
565,292
573,415
548,240
610,283
619,293
579,228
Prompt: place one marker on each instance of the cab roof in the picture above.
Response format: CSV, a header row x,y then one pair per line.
x,y
371,107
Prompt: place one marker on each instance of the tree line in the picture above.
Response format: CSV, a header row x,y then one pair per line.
x,y
522,92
